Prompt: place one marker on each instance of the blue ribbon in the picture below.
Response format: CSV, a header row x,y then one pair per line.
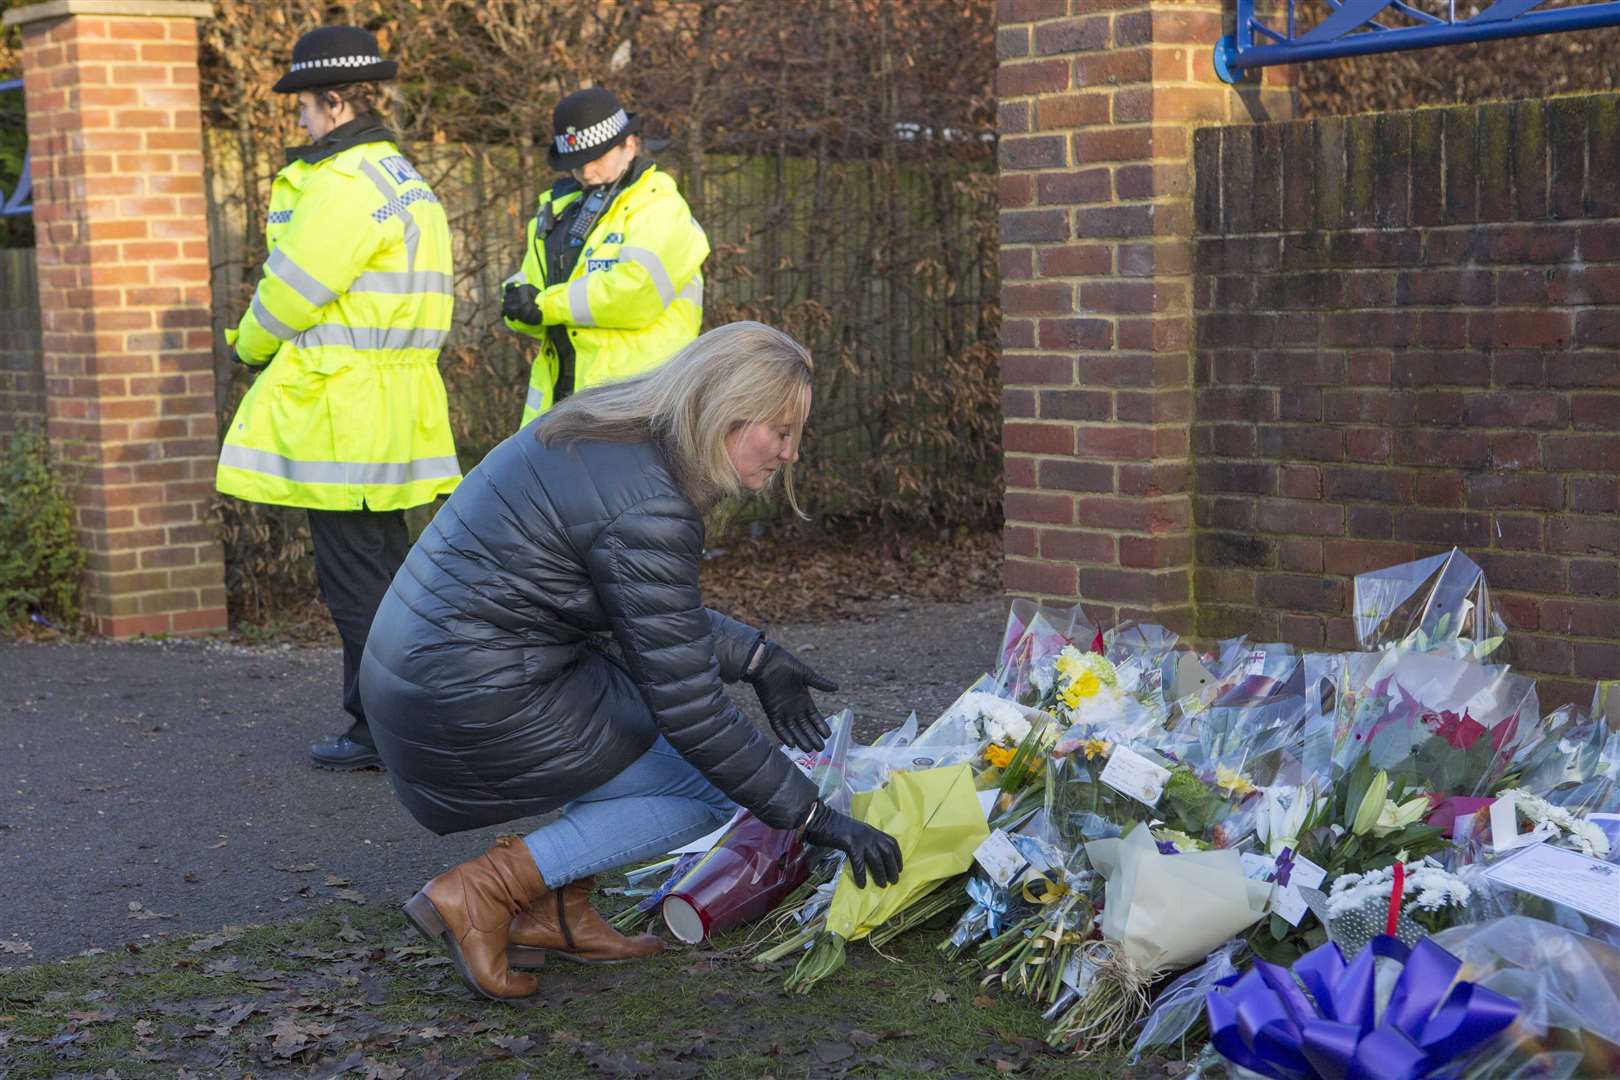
x,y
1264,1022
993,900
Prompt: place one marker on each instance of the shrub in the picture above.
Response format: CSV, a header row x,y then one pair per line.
x,y
40,558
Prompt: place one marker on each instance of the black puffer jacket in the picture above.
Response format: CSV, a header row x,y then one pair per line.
x,y
489,680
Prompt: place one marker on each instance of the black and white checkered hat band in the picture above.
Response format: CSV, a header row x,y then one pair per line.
x,y
337,62
598,133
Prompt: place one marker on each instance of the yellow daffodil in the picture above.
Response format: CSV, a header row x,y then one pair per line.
x,y
1084,685
999,756
1095,748
1233,781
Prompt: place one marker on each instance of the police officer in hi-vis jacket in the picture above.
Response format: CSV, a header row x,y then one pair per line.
x,y
611,282
347,416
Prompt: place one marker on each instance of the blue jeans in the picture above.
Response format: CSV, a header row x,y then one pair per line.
x,y
660,801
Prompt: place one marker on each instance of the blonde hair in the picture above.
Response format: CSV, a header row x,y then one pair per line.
x,y
740,373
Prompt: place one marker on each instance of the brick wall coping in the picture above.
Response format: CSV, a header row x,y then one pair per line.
x,y
155,9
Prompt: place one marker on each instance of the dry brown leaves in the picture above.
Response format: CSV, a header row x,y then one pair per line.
x,y
800,578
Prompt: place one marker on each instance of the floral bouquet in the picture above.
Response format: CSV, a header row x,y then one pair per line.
x,y
1358,907
1142,655
1451,726
1161,913
1575,764
1439,604
937,819
1035,634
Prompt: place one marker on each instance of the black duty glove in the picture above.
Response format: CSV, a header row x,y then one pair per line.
x,y
783,683
518,303
867,848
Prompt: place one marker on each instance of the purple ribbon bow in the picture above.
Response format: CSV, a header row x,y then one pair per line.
x,y
1264,1022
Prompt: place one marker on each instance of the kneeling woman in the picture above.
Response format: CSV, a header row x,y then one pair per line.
x,y
545,645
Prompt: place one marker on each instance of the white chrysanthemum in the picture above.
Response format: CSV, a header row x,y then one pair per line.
x,y
1427,888
992,718
1590,839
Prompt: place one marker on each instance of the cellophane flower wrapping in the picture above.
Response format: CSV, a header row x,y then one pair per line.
x,y
1035,634
1447,726
937,819
1439,604
1568,988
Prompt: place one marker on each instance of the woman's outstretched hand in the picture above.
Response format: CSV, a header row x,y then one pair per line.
x,y
783,683
868,849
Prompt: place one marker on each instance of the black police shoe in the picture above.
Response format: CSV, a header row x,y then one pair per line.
x,y
343,753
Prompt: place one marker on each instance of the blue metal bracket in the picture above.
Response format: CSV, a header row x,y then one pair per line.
x,y
20,201
1359,27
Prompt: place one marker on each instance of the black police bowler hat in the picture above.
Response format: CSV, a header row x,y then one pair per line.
x,y
587,124
334,56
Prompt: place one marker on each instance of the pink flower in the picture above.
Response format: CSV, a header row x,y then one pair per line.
x,y
1459,732
1503,733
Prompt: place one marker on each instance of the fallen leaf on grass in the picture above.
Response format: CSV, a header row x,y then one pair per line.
x,y
100,1016
353,896
288,1038
333,881
223,936
863,1039
221,842
983,1001
295,868
348,933
15,948
137,911
939,997
513,1044
372,1069
145,1029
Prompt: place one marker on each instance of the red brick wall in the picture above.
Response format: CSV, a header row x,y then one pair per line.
x,y
115,130
1098,100
1406,339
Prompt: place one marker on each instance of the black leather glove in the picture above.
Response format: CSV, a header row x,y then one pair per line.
x,y
867,848
518,303
783,683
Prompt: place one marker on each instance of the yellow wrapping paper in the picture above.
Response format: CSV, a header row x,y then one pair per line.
x,y
936,817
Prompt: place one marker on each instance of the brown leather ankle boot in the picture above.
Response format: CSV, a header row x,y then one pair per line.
x,y
564,923
469,909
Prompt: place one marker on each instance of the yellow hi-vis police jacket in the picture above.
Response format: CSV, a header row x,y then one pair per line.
x,y
634,298
350,315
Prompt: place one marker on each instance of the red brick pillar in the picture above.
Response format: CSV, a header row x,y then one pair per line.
x,y
1098,100
115,130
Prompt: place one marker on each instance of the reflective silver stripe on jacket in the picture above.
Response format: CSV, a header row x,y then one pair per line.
x,y
338,472
579,301
535,398
693,291
300,280
650,262
276,327
393,205
372,337
401,282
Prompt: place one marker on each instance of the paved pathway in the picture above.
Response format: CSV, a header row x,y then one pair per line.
x,y
170,779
